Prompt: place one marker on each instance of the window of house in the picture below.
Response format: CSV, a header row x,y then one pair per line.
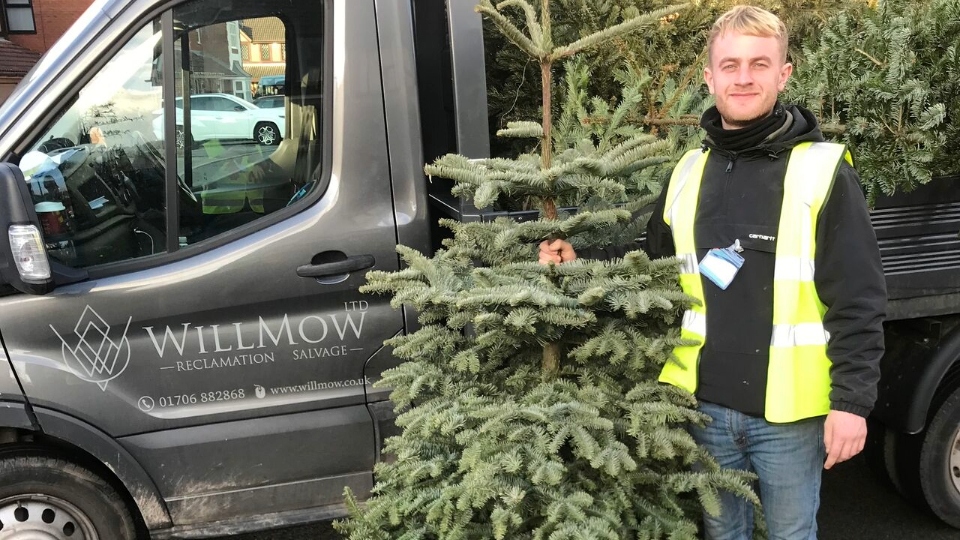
x,y
19,16
245,52
265,52
102,173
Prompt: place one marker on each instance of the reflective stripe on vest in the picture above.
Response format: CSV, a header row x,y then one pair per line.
x,y
798,372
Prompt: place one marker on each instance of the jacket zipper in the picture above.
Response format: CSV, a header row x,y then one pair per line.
x,y
731,158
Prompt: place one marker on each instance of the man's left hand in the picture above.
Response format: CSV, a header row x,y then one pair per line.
x,y
844,435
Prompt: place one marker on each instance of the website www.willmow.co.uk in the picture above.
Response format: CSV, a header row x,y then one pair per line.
x,y
317,385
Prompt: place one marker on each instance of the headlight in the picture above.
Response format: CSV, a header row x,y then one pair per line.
x,y
29,253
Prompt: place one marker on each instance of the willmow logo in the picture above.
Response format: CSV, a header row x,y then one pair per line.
x,y
191,347
93,355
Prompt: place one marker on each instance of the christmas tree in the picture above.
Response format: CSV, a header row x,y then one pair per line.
x,y
529,401
668,58
882,76
885,79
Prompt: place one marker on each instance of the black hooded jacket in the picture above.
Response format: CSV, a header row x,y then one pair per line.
x,y
740,199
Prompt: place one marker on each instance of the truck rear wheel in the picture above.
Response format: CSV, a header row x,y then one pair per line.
x,y
940,462
901,458
874,451
45,497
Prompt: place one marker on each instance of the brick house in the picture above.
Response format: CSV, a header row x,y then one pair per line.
x,y
263,49
27,29
15,62
234,61
216,61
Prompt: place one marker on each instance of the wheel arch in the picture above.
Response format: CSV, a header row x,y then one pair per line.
x,y
79,442
910,386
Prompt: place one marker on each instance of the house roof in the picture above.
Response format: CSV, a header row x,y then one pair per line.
x,y
264,29
16,61
261,70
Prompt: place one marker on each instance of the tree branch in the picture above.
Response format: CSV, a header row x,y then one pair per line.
x,y
874,60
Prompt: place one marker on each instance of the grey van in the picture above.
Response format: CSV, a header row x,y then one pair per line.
x,y
185,352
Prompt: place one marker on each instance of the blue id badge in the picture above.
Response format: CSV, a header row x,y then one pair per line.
x,y
720,265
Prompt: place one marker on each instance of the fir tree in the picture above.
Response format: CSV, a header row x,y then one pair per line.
x,y
885,80
881,76
668,58
530,407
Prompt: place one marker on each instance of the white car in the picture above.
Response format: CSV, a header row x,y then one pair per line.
x,y
269,102
222,116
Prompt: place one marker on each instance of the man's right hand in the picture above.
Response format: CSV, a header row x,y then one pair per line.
x,y
556,251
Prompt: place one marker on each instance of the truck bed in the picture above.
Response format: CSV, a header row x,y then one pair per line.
x,y
920,249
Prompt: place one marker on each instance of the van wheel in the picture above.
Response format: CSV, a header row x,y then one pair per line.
x,y
266,133
940,462
43,497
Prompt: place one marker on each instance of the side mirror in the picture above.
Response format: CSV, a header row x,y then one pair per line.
x,y
23,258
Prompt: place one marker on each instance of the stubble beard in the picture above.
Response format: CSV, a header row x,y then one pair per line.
x,y
738,123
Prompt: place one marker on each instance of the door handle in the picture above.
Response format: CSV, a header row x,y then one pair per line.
x,y
350,264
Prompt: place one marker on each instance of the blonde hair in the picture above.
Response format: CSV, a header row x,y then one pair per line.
x,y
750,21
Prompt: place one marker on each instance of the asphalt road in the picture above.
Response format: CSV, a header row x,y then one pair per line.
x,y
855,505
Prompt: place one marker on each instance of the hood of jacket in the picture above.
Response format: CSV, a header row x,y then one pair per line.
x,y
786,127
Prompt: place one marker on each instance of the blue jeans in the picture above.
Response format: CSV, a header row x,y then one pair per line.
x,y
788,460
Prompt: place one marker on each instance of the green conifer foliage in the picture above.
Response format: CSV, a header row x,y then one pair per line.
x,y
888,78
529,402
668,57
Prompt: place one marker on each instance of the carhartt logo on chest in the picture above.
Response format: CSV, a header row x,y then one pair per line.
x,y
762,237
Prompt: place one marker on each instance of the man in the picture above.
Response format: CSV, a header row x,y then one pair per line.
x,y
776,242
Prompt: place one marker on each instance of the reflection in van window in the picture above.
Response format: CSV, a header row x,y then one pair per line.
x,y
98,174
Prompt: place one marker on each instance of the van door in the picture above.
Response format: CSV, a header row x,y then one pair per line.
x,y
220,337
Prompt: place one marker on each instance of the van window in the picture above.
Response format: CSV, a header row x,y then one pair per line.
x,y
99,174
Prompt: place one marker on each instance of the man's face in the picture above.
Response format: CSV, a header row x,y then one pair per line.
x,y
745,75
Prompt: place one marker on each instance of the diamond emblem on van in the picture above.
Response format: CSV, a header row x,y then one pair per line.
x,y
94,355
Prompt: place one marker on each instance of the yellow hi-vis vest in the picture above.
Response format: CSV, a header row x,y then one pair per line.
x,y
235,186
798,373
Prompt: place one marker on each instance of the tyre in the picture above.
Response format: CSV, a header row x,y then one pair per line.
x,y
940,461
266,133
901,455
873,451
45,497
